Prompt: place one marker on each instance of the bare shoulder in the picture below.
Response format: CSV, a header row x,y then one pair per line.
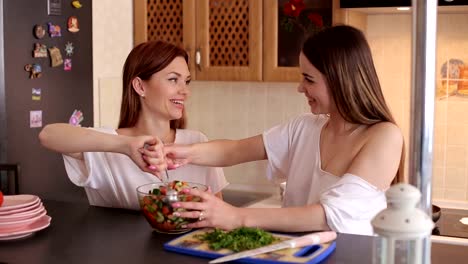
x,y
378,160
385,131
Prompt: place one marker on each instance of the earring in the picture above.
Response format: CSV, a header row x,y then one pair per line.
x,y
143,96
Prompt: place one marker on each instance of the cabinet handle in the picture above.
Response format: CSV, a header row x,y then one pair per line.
x,y
198,59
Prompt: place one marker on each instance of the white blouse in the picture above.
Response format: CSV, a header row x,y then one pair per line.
x,y
293,151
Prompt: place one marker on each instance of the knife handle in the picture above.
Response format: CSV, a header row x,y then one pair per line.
x,y
313,239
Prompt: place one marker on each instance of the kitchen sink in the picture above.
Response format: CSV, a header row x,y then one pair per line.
x,y
243,198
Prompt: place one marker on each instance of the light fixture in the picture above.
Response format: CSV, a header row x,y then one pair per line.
x,y
405,8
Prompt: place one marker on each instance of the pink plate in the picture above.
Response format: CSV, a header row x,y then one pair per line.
x,y
22,215
17,201
28,230
31,207
14,225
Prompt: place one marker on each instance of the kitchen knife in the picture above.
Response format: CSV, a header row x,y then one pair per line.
x,y
307,240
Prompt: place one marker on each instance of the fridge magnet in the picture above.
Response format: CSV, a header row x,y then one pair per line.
x,y
35,118
40,50
34,69
54,7
73,26
76,4
54,30
69,49
55,57
76,118
67,64
36,94
39,31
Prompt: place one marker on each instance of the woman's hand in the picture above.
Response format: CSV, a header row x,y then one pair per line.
x,y
177,155
210,212
147,152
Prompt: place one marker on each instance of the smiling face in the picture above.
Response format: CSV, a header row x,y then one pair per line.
x,y
314,87
164,94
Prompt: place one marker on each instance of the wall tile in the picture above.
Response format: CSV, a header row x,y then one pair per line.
x,y
238,120
438,177
438,193
455,178
440,110
457,134
276,105
456,112
455,194
440,134
256,109
456,156
439,156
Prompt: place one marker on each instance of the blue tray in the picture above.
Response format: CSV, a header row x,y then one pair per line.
x,y
188,244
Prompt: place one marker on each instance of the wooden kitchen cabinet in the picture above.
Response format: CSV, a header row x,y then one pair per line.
x,y
223,37
234,40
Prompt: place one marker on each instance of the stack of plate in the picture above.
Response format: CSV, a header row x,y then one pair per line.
x,y
21,216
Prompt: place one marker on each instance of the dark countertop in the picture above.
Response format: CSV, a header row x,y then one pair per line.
x,y
243,198
85,234
449,223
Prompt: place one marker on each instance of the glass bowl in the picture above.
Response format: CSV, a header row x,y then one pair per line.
x,y
159,213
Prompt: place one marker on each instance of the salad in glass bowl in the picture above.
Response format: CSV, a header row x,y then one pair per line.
x,y
157,209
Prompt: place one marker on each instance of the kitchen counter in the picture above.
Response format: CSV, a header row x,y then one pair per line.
x,y
242,198
85,234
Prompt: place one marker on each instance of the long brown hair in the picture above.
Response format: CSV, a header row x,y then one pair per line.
x,y
342,54
143,61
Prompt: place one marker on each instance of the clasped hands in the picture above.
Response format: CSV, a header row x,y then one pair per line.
x,y
151,155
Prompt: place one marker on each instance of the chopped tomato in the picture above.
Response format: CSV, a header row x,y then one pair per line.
x,y
147,200
150,217
167,226
165,210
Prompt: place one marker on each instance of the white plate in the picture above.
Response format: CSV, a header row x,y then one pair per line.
x,y
13,225
22,215
23,209
40,224
17,201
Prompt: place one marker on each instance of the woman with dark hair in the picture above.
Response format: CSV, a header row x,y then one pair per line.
x,y
337,160
109,163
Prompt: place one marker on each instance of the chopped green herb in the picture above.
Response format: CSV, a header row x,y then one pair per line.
x,y
239,239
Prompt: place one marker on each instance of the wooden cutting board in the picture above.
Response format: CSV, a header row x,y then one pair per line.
x,y
190,245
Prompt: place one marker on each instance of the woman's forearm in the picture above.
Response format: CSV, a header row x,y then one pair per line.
x,y
294,219
222,153
65,138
